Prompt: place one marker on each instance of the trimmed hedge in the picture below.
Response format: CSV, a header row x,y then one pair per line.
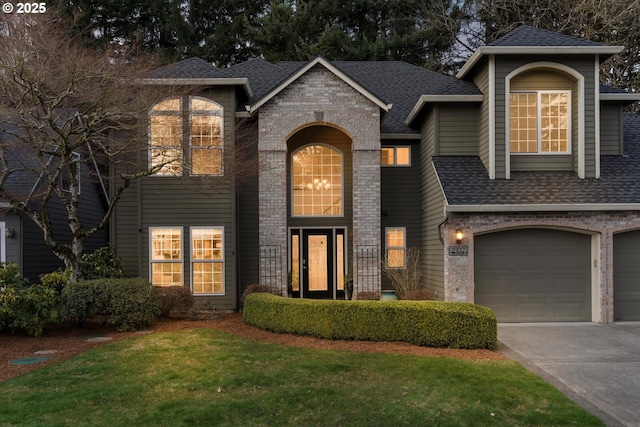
x,y
425,323
129,304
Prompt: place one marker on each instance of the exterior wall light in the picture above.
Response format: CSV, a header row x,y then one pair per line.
x,y
459,236
9,233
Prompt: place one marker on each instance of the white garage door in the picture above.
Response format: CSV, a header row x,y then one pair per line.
x,y
534,275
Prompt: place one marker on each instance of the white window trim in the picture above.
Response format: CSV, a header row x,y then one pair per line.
x,y
156,147
341,215
539,94
152,261
387,247
579,138
217,261
395,157
219,113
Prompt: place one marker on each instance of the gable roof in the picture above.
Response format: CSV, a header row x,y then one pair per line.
x,y
395,83
467,187
303,69
530,40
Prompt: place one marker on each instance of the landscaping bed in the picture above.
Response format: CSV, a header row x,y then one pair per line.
x,y
71,341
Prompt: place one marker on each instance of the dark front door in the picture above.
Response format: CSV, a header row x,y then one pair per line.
x,y
317,263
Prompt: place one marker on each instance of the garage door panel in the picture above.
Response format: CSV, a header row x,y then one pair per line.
x,y
534,275
626,276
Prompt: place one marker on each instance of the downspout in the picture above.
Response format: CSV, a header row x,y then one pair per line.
x,y
440,235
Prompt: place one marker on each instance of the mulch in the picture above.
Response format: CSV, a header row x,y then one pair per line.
x,y
67,342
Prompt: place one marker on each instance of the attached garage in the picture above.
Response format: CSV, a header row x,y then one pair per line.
x,y
534,275
626,276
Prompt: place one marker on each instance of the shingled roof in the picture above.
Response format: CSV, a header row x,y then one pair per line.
x,y
395,82
465,181
526,35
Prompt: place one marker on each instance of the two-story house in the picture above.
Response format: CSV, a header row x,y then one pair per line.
x,y
516,180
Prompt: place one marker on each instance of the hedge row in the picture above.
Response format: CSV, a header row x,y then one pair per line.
x,y
425,323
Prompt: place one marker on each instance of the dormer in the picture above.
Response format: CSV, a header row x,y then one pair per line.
x,y
541,106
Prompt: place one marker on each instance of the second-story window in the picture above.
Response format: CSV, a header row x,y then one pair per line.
x,y
201,139
539,122
396,156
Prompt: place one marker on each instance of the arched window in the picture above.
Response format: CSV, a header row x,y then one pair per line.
x,y
206,137
317,188
169,139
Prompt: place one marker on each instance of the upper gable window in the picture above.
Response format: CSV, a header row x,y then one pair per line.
x,y
201,139
316,181
540,122
396,156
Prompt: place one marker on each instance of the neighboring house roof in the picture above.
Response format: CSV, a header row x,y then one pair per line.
x,y
530,40
467,187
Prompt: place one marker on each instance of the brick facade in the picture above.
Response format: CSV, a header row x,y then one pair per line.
x,y
318,97
459,270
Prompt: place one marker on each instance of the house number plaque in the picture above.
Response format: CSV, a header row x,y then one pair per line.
x,y
458,250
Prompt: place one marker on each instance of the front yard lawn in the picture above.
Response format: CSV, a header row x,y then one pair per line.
x,y
209,377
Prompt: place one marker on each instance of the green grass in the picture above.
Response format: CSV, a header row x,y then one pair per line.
x,y
207,377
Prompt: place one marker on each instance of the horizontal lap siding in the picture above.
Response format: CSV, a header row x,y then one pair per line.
x,y
583,64
184,202
482,81
432,213
399,201
458,130
611,129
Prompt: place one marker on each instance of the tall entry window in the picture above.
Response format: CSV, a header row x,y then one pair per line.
x,y
539,122
317,181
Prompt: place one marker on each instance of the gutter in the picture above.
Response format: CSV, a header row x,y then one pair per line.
x,y
581,207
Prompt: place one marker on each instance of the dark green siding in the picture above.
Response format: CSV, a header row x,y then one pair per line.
x,y
457,129
583,64
185,201
400,200
432,212
611,129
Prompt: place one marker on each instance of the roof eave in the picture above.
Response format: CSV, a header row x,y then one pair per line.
x,y
568,207
536,50
210,81
626,97
319,60
427,99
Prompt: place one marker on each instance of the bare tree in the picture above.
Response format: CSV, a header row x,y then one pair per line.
x,y
66,109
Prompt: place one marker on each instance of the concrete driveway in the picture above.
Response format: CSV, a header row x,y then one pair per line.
x,y
598,366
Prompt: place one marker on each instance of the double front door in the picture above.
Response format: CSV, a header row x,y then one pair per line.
x,y
317,260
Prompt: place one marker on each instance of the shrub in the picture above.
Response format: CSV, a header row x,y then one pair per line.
x,y
426,323
174,298
407,279
56,280
24,308
102,263
422,294
128,304
132,305
255,288
10,275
